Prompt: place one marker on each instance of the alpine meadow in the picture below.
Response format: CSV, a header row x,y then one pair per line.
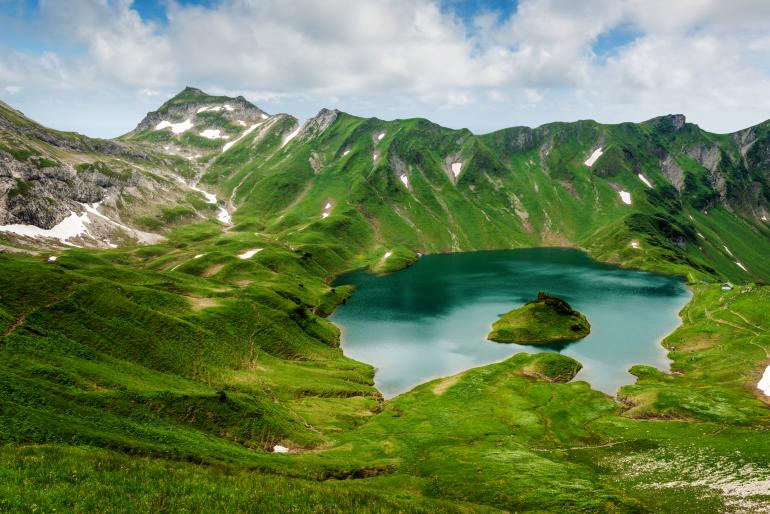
x,y
227,310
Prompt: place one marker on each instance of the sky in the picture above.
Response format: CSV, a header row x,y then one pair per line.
x,y
97,66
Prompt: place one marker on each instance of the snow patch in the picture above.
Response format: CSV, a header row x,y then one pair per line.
x,y
290,137
645,180
701,235
388,254
215,108
327,208
764,384
457,167
635,244
248,254
594,156
375,156
764,218
405,180
213,134
224,216
52,258
176,128
345,152
71,226
741,266
210,197
625,196
241,123
245,133
380,136
199,256
265,116
727,250
280,449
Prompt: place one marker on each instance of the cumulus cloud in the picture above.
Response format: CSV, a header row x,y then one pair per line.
x,y
410,58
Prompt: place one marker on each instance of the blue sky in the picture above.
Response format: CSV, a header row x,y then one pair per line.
x,y
97,66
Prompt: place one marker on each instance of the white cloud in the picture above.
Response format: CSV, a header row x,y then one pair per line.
x,y
706,58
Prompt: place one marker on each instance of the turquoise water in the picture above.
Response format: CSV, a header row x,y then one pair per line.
x,y
431,320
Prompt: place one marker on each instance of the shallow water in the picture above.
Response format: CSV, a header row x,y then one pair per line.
x,y
431,320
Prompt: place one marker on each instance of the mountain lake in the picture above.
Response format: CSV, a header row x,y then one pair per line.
x,y
431,319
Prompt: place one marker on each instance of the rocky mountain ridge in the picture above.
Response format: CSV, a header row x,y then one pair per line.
x,y
410,184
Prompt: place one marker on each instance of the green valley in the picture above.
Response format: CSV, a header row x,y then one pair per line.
x,y
172,352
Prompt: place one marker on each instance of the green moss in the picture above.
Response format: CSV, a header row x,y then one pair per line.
x,y
103,169
21,188
546,319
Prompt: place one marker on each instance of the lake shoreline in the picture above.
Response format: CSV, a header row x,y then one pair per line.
x,y
660,358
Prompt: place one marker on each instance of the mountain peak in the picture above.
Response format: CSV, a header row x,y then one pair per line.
x,y
676,120
320,122
186,105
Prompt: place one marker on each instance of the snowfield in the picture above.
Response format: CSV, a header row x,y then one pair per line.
x,y
645,180
248,254
594,156
72,226
625,196
245,133
176,128
214,134
764,384
290,137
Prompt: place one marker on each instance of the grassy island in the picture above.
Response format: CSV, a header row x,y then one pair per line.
x,y
546,319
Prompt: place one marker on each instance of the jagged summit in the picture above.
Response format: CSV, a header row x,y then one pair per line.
x,y
193,121
191,102
194,96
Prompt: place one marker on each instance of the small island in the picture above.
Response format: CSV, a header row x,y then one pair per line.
x,y
547,319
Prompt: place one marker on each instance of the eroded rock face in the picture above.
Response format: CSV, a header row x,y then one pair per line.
x,y
744,139
675,121
707,156
319,122
45,196
673,172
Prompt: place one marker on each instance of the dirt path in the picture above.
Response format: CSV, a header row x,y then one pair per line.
x,y
16,324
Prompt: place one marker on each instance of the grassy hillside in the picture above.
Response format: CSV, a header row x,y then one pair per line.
x,y
161,377
392,185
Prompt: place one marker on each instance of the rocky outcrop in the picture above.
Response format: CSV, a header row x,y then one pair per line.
x,y
45,196
744,139
318,123
674,122
70,141
672,171
707,156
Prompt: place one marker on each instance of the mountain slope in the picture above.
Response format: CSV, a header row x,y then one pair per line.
x,y
176,369
663,194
